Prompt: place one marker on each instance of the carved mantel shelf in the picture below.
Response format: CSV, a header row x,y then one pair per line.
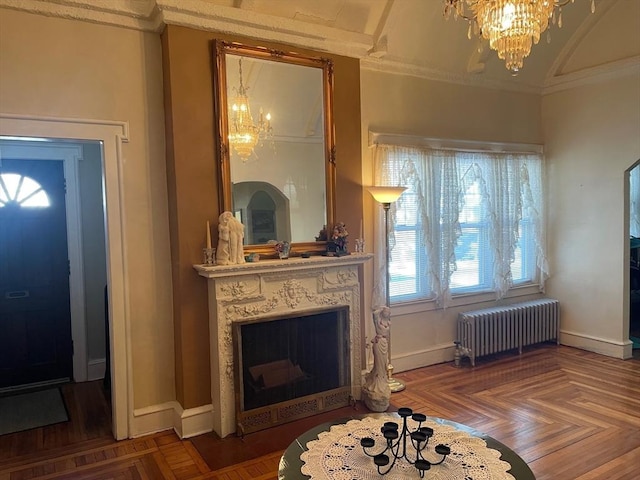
x,y
268,289
274,266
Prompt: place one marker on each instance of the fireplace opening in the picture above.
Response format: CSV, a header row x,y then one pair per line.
x,y
291,367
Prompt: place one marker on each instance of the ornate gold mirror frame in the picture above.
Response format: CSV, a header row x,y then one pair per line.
x,y
222,49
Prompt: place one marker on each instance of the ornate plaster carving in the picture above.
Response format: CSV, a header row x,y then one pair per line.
x,y
268,291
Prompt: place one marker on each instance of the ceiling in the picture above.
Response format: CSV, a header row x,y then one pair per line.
x,y
405,36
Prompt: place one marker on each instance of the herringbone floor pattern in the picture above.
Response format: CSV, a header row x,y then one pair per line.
x,y
570,414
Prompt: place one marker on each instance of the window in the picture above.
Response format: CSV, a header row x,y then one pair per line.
x,y
469,221
22,191
407,260
472,251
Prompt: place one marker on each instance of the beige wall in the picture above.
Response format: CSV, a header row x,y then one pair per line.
x,y
409,105
61,68
592,135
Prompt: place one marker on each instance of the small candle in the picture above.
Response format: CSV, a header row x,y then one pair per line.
x,y
208,235
361,236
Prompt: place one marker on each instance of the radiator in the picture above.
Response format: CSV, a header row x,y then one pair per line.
x,y
497,329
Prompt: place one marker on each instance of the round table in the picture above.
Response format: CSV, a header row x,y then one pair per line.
x,y
291,464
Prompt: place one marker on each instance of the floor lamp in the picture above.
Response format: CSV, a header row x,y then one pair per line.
x,y
386,196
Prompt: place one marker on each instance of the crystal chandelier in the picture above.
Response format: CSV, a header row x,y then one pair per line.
x,y
511,26
244,134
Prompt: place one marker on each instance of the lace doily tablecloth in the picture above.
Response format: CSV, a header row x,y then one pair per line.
x,y
337,454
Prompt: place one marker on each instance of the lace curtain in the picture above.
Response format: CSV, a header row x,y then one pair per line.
x,y
508,183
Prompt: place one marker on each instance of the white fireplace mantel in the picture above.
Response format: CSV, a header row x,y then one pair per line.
x,y
271,266
268,289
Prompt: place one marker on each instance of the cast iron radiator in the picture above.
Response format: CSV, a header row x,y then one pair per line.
x,y
497,329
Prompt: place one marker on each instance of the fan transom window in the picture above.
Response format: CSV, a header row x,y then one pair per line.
x,y
21,191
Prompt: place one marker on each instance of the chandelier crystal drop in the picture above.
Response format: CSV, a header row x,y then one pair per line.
x,y
244,134
511,26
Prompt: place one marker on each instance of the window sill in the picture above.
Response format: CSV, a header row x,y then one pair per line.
x,y
406,308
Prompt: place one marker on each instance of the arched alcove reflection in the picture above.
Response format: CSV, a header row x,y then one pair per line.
x,y
264,211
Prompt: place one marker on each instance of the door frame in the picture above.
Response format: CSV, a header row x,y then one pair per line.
x,y
111,134
626,284
70,154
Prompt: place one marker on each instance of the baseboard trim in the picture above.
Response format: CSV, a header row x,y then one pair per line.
x,y
445,352
96,369
170,415
154,418
603,346
421,358
194,421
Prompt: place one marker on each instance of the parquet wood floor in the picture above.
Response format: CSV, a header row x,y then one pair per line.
x,y
570,414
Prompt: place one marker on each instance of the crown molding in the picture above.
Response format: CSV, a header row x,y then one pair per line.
x,y
593,75
231,20
587,76
387,65
118,13
154,15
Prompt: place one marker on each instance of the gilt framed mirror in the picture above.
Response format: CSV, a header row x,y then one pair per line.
x,y
276,144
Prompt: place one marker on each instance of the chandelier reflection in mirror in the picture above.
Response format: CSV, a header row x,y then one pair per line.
x,y
511,26
244,134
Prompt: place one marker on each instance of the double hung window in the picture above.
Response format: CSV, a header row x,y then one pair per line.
x,y
469,222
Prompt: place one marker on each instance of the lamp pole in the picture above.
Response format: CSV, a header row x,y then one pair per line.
x,y
385,196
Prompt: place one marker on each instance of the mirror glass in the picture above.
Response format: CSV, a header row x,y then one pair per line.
x,y
276,141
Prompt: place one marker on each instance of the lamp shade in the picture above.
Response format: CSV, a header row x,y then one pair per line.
x,y
386,194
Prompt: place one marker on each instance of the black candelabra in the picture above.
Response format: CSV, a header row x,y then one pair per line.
x,y
396,444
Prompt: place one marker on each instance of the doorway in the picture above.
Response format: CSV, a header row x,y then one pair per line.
x,y
35,332
85,241
634,256
108,137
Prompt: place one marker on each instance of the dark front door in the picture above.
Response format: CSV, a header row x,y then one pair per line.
x,y
35,319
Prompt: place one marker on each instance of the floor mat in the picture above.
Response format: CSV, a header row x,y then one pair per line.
x,y
32,410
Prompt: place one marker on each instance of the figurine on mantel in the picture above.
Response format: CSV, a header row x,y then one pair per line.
x,y
376,392
230,239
